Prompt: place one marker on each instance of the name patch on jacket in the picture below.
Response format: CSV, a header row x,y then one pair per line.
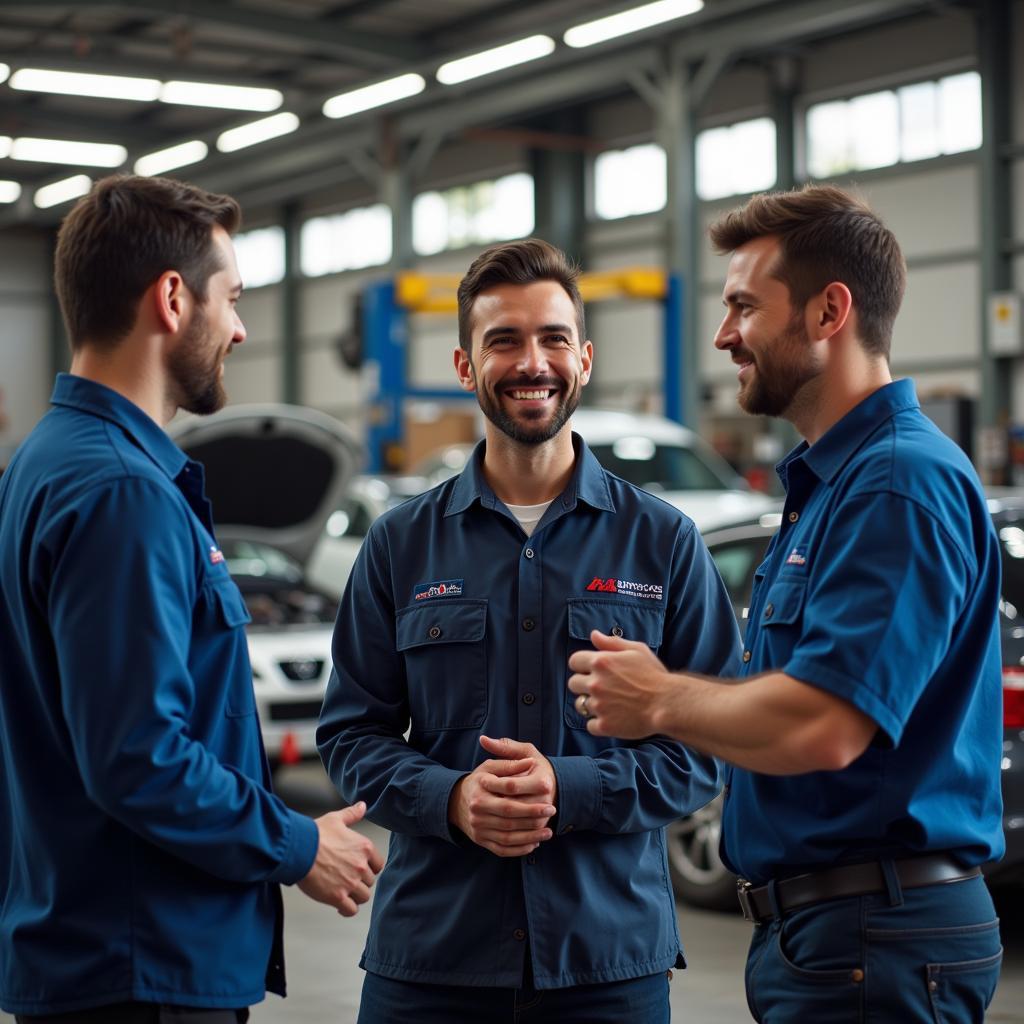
x,y
797,556
442,588
611,585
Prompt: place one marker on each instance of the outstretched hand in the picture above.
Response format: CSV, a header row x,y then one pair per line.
x,y
617,686
346,863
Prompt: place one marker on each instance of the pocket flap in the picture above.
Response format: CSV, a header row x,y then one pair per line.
x,y
445,621
616,618
784,602
229,600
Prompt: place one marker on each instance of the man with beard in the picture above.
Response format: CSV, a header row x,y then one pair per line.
x,y
143,849
865,734
527,876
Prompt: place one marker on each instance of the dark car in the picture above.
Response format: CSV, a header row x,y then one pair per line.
x,y
698,874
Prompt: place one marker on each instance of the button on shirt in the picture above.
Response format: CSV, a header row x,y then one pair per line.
x,y
141,845
594,902
881,587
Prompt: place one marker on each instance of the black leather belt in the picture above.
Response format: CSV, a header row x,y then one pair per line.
x,y
848,880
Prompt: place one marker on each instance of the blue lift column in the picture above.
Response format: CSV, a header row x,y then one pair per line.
x,y
672,353
385,332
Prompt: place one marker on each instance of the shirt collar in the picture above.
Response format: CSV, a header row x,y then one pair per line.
x,y
98,400
837,445
588,483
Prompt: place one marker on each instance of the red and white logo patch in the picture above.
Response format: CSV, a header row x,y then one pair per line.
x,y
216,555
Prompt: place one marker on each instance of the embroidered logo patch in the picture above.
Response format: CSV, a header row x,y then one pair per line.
x,y
602,585
216,555
442,588
797,557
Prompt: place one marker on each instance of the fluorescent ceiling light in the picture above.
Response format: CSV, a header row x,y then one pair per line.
x,y
488,61
377,95
258,131
634,20
62,191
167,159
5,70
9,191
60,151
6,143
230,97
71,83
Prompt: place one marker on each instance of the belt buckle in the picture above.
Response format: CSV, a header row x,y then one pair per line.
x,y
743,888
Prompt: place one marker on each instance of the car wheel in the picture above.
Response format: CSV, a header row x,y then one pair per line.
x,y
698,875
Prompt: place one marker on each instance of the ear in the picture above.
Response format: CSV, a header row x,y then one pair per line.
x,y
464,370
587,360
170,300
829,311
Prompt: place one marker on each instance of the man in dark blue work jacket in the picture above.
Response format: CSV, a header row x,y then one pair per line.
x,y
866,733
141,848
527,877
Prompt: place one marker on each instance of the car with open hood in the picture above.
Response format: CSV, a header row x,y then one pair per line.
x,y
274,475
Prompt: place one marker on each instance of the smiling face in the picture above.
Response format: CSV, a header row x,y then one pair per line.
x,y
196,364
766,338
527,364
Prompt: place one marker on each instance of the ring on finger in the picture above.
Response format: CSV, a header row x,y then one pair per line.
x,y
581,704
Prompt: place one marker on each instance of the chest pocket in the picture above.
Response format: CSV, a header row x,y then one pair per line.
x,y
231,612
444,646
616,618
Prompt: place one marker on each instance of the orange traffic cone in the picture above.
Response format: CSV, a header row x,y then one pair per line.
x,y
290,753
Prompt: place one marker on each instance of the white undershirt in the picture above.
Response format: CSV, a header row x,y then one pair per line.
x,y
529,516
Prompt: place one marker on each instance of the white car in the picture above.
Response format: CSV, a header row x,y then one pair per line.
x,y
652,452
275,474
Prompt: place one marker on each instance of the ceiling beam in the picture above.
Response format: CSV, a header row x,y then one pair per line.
x,y
367,49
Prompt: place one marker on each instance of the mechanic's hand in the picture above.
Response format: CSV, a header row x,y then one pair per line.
x,y
346,864
618,686
504,804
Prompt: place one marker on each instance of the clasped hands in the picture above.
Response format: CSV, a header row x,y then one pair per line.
x,y
506,802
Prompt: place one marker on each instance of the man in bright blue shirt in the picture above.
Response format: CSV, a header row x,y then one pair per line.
x,y
141,847
527,866
865,736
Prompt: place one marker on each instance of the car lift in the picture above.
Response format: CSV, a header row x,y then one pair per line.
x,y
385,309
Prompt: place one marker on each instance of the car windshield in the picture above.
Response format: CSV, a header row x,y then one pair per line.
x,y
653,466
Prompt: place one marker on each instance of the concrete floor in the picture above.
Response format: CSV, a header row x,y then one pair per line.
x,y
323,949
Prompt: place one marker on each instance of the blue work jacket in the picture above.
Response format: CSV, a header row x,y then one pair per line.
x,y
881,587
454,624
140,845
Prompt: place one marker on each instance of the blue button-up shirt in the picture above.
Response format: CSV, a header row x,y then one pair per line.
x,y
881,587
139,842
456,624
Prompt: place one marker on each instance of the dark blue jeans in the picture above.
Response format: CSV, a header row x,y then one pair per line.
x,y
639,1000
917,956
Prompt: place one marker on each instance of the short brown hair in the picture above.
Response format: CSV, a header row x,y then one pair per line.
x,y
121,237
517,263
826,234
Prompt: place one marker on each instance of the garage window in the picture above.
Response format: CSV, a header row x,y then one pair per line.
x,y
736,159
629,181
485,211
260,256
879,129
346,241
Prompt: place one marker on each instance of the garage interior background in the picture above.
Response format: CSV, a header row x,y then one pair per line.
x,y
620,152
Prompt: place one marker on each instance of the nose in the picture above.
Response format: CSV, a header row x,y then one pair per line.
x,y
726,336
239,333
533,360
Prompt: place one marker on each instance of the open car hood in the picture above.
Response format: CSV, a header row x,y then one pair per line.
x,y
274,473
